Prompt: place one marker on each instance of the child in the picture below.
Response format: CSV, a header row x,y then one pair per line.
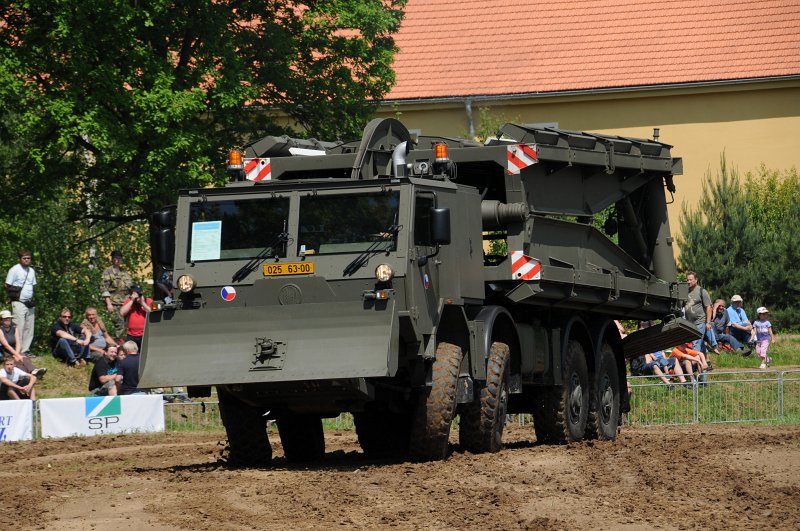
x,y
763,332
685,352
16,383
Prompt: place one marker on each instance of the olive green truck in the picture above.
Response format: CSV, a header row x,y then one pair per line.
x,y
417,284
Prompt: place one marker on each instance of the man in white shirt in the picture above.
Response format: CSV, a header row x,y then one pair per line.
x,y
15,383
23,276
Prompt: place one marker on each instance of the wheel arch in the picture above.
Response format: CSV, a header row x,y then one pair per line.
x,y
498,325
576,329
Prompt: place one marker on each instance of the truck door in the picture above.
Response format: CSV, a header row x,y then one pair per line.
x,y
423,274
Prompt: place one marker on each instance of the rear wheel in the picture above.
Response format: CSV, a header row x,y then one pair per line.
x,y
482,422
383,434
247,431
562,411
604,408
436,406
302,437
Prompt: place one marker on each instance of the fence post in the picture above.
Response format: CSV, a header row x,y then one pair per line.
x,y
696,400
780,394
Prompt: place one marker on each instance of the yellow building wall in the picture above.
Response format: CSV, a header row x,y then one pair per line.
x,y
751,123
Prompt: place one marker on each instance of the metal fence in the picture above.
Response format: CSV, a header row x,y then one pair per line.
x,y
748,396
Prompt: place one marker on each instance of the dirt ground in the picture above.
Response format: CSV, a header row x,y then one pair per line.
x,y
704,477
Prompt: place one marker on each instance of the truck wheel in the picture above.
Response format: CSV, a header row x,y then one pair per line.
x,y
302,437
247,432
382,434
562,411
604,408
482,422
430,428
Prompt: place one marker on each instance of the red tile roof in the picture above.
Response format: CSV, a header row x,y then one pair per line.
x,y
479,47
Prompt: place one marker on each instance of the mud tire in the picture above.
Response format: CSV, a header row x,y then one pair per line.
x,y
561,413
430,429
302,438
383,434
482,421
248,445
604,399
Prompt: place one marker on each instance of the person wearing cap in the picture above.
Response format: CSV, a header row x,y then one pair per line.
x,y
9,341
115,284
20,283
741,328
135,310
764,336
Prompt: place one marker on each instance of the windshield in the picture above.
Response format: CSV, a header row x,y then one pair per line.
x,y
346,224
236,229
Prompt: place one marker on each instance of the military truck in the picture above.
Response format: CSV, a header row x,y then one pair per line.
x,y
415,283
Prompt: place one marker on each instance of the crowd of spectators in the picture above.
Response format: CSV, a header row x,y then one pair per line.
x,y
720,328
112,352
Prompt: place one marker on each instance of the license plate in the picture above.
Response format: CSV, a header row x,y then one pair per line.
x,y
289,268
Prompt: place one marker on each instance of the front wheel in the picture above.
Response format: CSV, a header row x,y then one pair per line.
x,y
430,429
246,427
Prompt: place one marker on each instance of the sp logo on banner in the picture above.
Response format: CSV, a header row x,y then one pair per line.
x,y
102,412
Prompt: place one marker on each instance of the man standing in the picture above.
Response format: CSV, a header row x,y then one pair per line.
x,y
698,311
115,285
741,327
23,277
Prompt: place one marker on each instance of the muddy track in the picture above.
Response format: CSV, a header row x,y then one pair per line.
x,y
720,477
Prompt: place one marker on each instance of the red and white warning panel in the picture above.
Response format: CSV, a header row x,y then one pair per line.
x,y
524,267
258,169
520,156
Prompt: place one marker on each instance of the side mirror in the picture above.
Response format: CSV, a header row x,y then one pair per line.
x,y
162,236
440,226
164,246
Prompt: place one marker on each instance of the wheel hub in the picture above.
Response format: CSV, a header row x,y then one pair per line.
x,y
575,397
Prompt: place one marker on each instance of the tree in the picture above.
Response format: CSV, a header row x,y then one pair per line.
x,y
743,237
129,101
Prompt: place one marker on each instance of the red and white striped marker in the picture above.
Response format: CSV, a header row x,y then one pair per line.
x,y
520,156
524,267
257,169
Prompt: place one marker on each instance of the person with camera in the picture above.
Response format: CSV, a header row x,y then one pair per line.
x,y
135,310
20,281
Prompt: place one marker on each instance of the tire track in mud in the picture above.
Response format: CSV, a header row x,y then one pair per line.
x,y
713,477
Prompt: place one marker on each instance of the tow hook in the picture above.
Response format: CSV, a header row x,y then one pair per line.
x,y
269,354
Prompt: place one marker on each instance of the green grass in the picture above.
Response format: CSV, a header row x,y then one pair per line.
x,y
61,381
785,351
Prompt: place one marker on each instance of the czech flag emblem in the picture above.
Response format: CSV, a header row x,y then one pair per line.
x,y
228,293
426,281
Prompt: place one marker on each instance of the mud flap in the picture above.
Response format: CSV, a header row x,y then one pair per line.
x,y
257,344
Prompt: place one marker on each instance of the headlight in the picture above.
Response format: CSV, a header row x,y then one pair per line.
x,y
185,283
384,273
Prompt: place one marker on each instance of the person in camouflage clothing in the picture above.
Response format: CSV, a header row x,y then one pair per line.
x,y
115,285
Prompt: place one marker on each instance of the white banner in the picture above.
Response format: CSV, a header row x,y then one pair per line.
x,y
98,415
16,420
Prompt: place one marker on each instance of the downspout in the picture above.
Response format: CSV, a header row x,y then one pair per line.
x,y
470,120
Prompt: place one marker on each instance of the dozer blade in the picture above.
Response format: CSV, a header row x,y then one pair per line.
x,y
659,337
